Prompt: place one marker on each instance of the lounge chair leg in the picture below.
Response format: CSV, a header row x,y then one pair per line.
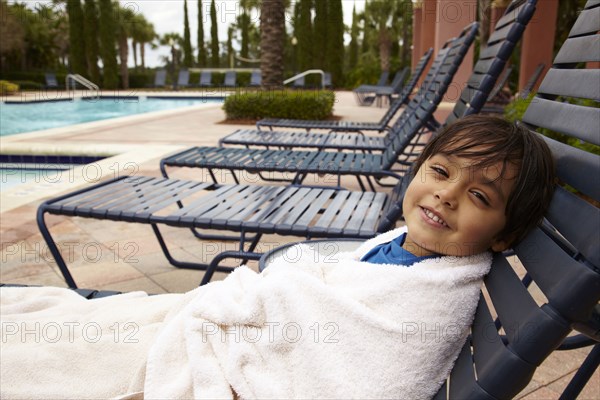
x,y
181,264
362,187
53,248
214,264
583,375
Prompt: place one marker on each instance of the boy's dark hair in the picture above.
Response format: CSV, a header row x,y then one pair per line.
x,y
490,140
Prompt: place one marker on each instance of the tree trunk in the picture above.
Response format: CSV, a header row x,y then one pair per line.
x,y
143,56
134,45
123,56
385,53
272,35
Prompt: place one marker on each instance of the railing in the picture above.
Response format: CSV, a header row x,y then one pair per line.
x,y
308,72
72,78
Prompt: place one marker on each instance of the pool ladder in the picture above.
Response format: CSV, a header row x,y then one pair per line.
x,y
71,79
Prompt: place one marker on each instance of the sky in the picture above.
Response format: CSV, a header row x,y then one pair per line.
x,y
167,16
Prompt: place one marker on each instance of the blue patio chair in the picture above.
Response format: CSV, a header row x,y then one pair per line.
x,y
230,79
183,79
51,81
205,79
256,78
367,94
361,90
485,72
326,81
160,79
299,83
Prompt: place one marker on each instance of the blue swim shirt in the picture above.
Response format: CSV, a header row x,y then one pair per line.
x,y
393,253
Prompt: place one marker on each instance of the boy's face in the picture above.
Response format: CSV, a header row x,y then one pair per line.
x,y
454,208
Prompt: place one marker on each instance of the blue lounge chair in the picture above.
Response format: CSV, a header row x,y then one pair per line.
x,y
299,83
363,90
256,78
51,81
230,79
205,79
485,72
326,81
370,93
417,118
183,79
160,79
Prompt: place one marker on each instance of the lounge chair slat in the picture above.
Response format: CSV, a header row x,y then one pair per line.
x,y
581,122
110,207
577,221
70,204
578,50
271,221
168,198
188,212
587,23
354,224
233,210
582,83
289,221
315,208
341,219
373,215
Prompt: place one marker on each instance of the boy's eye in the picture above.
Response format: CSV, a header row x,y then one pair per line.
x,y
481,197
439,170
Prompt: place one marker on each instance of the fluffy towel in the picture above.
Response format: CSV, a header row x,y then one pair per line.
x,y
320,328
57,345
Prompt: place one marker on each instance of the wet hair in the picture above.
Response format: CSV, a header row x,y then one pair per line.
x,y
488,140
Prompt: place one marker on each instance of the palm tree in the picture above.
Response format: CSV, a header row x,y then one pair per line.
x,y
125,24
380,14
142,32
272,36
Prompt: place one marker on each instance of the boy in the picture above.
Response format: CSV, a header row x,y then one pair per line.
x,y
481,184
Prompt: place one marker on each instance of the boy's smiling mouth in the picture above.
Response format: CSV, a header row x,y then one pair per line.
x,y
433,217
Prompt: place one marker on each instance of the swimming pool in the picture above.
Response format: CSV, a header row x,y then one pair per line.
x,y
26,117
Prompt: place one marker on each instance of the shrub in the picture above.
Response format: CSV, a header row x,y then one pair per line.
x,y
280,104
8,88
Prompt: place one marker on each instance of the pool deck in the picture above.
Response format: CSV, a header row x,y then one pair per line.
x,y
127,257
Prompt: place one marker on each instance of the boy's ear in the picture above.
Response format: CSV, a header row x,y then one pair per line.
x,y
499,245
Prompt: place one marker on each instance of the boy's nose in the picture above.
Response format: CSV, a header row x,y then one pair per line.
x,y
446,197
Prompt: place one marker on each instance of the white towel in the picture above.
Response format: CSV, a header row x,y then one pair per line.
x,y
315,328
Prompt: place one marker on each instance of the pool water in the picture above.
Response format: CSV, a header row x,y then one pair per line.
x,y
19,118
12,177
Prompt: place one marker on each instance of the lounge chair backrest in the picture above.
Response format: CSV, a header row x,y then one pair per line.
x,y
183,78
493,58
326,80
533,79
562,257
299,82
51,81
205,78
383,78
501,83
256,78
399,79
230,78
160,78
409,87
419,112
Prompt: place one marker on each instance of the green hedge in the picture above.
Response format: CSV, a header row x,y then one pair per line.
x,y
8,88
280,104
